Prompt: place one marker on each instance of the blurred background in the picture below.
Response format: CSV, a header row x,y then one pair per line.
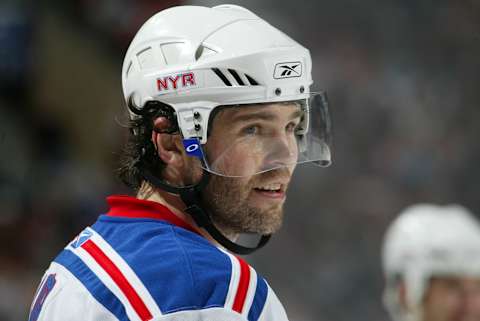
x,y
403,81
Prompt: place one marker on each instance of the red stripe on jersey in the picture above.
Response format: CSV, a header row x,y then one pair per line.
x,y
117,276
242,286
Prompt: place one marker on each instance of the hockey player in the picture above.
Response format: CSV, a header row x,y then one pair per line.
x,y
221,113
431,263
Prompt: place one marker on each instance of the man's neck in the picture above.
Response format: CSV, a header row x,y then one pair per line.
x,y
174,204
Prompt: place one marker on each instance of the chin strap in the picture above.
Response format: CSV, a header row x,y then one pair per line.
x,y
191,196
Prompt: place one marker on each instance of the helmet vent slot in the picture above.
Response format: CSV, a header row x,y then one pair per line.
x,y
128,69
252,81
230,76
222,76
199,52
236,76
145,58
173,52
204,51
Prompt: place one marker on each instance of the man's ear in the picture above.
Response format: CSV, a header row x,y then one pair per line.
x,y
167,145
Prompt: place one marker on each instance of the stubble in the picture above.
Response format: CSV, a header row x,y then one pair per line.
x,y
228,202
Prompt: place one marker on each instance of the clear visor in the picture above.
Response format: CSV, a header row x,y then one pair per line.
x,y
250,139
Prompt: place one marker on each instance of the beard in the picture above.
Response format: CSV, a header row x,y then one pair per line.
x,y
227,201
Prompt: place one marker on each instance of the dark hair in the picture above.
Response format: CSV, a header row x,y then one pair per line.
x,y
139,153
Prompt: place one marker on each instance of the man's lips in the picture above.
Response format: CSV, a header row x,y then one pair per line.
x,y
274,190
278,195
272,185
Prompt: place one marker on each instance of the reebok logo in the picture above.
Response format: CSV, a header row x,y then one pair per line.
x,y
287,70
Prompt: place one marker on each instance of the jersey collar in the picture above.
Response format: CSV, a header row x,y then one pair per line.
x,y
131,207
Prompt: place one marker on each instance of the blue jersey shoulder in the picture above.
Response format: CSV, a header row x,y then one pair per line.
x,y
180,269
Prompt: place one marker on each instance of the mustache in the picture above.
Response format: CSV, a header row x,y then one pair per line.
x,y
279,174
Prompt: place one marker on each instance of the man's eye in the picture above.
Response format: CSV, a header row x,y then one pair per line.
x,y
250,130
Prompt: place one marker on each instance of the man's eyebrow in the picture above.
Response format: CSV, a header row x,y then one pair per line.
x,y
264,115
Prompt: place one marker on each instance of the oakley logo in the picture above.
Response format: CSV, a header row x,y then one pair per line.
x,y
287,70
176,81
192,147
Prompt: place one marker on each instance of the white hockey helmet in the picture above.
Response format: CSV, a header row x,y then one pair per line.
x,y
427,240
195,59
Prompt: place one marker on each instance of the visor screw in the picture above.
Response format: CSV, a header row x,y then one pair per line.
x,y
197,127
196,115
278,91
302,89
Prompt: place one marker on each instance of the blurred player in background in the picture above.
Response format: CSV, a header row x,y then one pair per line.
x,y
221,113
431,262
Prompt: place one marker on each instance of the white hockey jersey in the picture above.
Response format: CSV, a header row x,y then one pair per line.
x,y
141,262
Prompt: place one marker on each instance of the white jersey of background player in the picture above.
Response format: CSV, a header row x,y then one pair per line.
x,y
221,113
431,262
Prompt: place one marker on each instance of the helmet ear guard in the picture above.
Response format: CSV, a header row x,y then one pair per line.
x,y
154,109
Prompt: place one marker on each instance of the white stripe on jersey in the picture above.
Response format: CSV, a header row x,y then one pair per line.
x,y
106,279
37,291
273,309
127,272
252,288
234,280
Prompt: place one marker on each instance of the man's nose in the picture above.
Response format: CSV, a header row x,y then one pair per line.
x,y
282,150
